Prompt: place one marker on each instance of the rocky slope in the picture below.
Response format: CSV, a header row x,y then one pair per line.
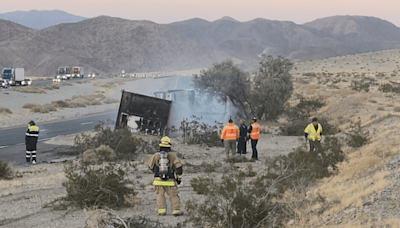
x,y
109,45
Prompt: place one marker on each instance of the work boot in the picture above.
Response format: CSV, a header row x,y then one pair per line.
x,y
177,213
162,212
33,162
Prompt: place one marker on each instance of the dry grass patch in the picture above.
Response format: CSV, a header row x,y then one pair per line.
x,y
30,105
29,89
110,101
5,110
43,108
352,192
51,87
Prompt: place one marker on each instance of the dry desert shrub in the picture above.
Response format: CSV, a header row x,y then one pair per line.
x,y
5,110
5,171
51,87
119,140
43,108
29,89
30,105
98,186
99,155
110,101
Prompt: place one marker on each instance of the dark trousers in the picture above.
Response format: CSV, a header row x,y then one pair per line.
x,y
254,148
314,145
241,147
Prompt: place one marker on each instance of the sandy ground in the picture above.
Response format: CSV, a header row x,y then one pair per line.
x,y
30,200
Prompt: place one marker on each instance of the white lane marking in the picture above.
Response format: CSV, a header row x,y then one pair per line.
x,y
20,144
1,147
86,123
43,129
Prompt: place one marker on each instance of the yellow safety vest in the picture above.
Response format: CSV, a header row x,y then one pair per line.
x,y
313,134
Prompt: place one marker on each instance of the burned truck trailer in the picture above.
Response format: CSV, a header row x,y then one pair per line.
x,y
145,114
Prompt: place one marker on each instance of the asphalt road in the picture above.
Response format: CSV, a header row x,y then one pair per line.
x,y
12,140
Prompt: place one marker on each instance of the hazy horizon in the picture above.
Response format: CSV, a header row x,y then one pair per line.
x,y
164,12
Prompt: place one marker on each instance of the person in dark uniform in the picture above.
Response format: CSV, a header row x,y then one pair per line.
x,y
31,139
242,137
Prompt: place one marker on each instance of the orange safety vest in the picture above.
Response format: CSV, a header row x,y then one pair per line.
x,y
230,132
312,133
255,131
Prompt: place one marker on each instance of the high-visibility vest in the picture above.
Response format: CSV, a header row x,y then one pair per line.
x,y
312,133
33,131
230,132
255,131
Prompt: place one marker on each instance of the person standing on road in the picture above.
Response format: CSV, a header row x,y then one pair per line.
x,y
241,147
31,139
165,164
254,131
313,134
229,136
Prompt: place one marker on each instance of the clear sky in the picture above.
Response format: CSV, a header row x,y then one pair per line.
x,y
167,11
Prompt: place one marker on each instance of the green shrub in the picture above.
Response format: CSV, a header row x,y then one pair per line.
x,y
234,202
356,138
299,117
363,84
91,186
389,87
120,140
245,199
5,171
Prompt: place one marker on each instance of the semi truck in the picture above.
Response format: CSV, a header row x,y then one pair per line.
x,y
64,73
78,72
14,76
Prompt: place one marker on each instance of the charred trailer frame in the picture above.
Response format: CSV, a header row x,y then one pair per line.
x,y
153,112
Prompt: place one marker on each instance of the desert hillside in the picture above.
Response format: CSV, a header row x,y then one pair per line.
x,y
110,45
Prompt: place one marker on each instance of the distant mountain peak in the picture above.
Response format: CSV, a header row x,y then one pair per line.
x,y
39,19
229,19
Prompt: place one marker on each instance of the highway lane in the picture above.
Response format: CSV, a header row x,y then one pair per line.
x,y
12,140
16,136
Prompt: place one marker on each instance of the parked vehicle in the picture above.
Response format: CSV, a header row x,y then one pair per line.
x,y
26,82
78,72
14,76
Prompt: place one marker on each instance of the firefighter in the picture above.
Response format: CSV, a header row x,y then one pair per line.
x,y
313,134
229,136
254,131
31,139
242,137
165,165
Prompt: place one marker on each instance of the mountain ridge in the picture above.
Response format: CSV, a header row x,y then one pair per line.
x,y
107,44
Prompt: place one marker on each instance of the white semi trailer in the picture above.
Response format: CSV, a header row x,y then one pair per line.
x,y
14,76
78,72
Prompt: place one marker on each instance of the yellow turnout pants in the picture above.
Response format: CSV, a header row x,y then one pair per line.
x,y
172,192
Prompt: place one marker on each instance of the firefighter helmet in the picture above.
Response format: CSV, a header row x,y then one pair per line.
x,y
165,141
